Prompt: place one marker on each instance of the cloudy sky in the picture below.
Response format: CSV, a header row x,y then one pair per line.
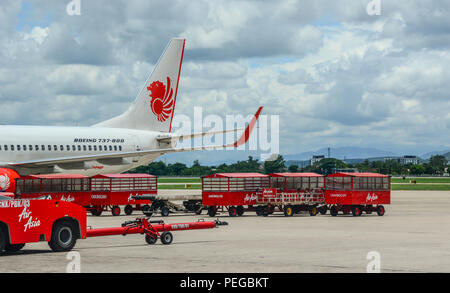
x,y
335,75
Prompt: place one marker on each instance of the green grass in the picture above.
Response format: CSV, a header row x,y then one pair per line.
x,y
420,187
179,180
180,186
421,180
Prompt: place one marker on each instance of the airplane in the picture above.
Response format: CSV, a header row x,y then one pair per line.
x,y
137,137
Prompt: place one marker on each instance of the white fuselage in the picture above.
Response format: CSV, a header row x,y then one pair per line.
x,y
28,143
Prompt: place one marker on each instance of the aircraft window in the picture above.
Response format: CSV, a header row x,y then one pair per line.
x,y
79,148
61,147
90,148
55,147
84,148
68,147
43,147
105,148
12,147
24,147
120,148
0,147
95,148
30,147
99,147
115,148
49,147
18,147
110,148
36,147
6,147
74,148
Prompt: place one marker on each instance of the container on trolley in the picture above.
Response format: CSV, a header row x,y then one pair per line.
x,y
233,192
97,194
292,193
357,193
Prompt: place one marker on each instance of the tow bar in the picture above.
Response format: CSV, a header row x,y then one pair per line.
x,y
152,229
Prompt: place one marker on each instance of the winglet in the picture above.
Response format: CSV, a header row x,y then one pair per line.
x,y
246,135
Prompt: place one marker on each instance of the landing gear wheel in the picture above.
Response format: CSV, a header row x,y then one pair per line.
x,y
288,211
356,211
166,238
128,210
63,237
115,210
334,211
380,210
232,211
240,211
313,211
14,247
212,211
151,239
165,211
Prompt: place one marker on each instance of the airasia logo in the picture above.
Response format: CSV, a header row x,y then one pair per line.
x,y
4,182
162,99
371,197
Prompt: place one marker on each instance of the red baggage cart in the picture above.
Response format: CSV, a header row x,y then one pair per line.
x,y
292,193
96,194
234,192
357,193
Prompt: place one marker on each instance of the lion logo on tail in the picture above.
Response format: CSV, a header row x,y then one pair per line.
x,y
162,99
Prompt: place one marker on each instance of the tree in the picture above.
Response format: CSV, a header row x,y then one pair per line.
x,y
293,168
277,165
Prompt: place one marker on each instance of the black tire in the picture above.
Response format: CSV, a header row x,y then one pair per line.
x,y
14,247
128,210
240,211
232,211
115,210
356,211
313,211
288,211
259,210
380,210
63,236
2,240
166,238
150,239
334,211
212,211
96,211
323,210
165,211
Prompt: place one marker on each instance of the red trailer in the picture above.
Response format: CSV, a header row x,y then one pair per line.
x,y
292,193
96,194
357,192
234,192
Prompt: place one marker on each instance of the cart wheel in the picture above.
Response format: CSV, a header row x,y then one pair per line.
x,y
150,239
115,211
334,211
369,210
232,211
165,211
96,211
240,211
166,238
63,237
288,211
380,210
2,240
212,211
259,210
356,211
128,209
323,210
313,211
14,247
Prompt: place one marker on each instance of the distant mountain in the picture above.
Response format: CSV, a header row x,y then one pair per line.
x,y
342,153
434,153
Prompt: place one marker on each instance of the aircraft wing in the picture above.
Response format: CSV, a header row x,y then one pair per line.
x,y
120,155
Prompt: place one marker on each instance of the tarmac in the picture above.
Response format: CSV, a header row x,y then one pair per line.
x,y
413,236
